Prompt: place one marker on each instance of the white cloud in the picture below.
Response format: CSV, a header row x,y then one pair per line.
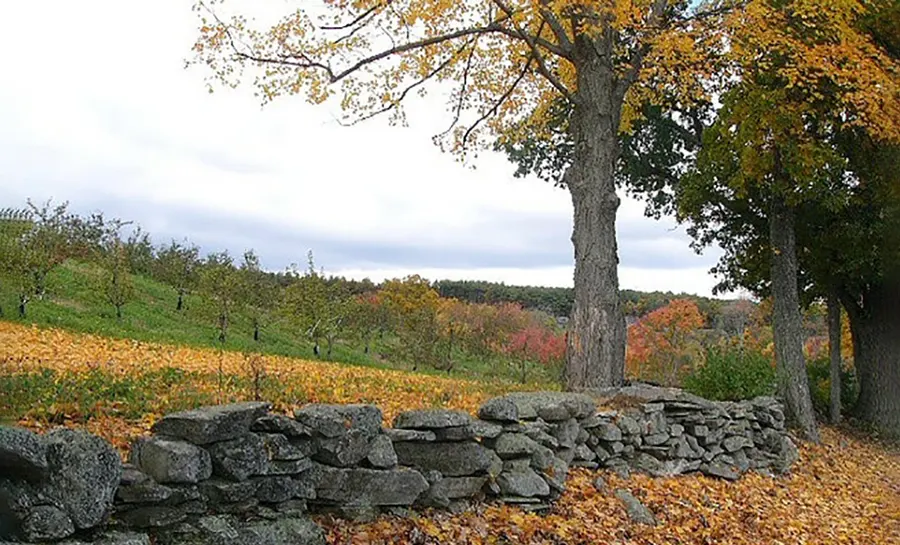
x,y
98,108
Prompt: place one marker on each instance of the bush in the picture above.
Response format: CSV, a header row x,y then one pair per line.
x,y
731,374
819,373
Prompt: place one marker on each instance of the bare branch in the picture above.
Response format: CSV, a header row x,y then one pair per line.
x,y
493,109
464,84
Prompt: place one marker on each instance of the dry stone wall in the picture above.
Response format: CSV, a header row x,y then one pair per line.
x,y
235,474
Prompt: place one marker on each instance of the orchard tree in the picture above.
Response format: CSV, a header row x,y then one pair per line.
x,y
314,306
116,284
177,265
415,309
220,282
259,291
509,63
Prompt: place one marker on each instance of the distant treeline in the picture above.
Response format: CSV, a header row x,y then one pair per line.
x,y
558,301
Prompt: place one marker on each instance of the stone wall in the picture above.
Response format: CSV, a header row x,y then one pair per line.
x,y
240,474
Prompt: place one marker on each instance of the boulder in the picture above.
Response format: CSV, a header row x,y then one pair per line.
x,y
721,470
566,433
345,450
787,456
526,484
275,489
485,429
148,491
336,420
499,409
46,523
636,510
278,447
84,472
736,442
628,425
459,487
607,432
456,433
457,459
239,459
279,423
213,423
513,445
23,454
220,491
430,419
381,453
361,486
171,461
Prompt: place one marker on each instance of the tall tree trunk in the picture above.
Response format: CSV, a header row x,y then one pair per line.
x,y
875,325
834,354
787,325
595,347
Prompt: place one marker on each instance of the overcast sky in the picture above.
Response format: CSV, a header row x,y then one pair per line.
x,y
97,108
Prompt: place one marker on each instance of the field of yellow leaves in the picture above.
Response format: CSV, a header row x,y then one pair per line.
x,y
118,388
843,491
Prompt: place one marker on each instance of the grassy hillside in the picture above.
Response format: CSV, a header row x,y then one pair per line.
x,y
75,302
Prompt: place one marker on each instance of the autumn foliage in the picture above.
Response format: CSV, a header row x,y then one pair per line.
x,y
664,345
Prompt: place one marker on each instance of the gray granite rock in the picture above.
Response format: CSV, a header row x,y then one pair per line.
x,y
211,424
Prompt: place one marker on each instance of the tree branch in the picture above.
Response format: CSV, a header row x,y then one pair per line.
x,y
358,18
565,44
535,53
493,109
415,84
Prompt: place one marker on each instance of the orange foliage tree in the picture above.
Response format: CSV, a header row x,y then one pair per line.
x,y
664,345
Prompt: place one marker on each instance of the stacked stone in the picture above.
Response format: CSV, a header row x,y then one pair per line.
x,y
201,466
57,485
355,470
446,446
541,435
673,432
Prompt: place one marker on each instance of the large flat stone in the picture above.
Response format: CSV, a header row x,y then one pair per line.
x,y
457,459
360,486
429,419
337,420
211,424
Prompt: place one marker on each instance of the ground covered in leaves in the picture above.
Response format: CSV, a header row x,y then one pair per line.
x,y
845,490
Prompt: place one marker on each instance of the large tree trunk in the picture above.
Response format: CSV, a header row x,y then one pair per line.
x,y
875,325
787,325
595,347
834,355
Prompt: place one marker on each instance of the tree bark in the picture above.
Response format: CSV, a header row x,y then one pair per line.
x,y
595,347
787,325
875,325
834,355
